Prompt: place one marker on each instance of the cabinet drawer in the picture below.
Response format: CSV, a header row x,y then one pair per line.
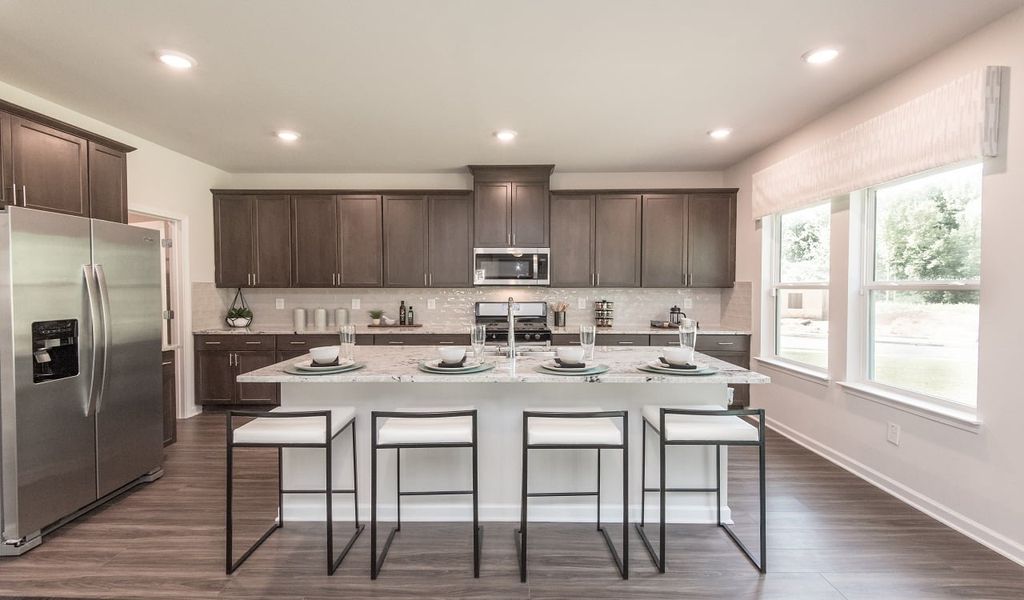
x,y
236,342
415,339
619,339
723,343
304,342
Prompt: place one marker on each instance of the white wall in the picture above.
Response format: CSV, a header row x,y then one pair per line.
x,y
973,481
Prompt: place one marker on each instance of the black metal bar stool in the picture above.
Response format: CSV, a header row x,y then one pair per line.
x,y
292,428
405,429
701,426
576,430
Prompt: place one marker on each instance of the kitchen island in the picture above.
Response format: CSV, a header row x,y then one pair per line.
x,y
391,380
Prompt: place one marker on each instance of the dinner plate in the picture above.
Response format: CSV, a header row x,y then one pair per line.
x,y
662,370
337,370
307,365
593,370
554,366
431,367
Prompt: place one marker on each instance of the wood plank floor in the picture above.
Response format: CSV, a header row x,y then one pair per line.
x,y
831,536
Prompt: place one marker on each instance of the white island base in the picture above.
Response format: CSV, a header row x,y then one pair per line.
x,y
501,396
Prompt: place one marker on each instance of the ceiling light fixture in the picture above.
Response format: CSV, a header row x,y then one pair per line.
x,y
287,136
820,56
176,60
505,135
720,134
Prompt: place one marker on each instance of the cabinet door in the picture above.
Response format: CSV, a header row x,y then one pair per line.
x,y
169,399
50,168
215,377
256,393
617,240
572,241
405,241
7,193
529,215
314,241
450,241
108,184
361,243
492,215
283,355
273,241
233,240
711,240
664,253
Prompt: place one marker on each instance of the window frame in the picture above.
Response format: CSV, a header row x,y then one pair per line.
x,y
862,360
775,284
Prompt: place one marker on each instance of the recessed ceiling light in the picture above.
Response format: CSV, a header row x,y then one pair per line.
x,y
287,136
820,56
176,60
505,135
721,133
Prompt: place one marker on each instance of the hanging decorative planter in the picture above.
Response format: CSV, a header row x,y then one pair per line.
x,y
239,315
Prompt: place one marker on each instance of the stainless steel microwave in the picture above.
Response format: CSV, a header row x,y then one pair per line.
x,y
511,266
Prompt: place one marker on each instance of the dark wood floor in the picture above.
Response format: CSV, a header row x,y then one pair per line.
x,y
830,536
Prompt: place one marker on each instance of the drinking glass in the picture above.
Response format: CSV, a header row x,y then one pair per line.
x,y
588,335
347,333
478,336
688,338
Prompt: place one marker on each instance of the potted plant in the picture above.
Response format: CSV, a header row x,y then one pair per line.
x,y
375,316
239,315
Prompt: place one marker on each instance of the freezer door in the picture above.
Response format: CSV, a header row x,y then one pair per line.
x,y
48,432
129,423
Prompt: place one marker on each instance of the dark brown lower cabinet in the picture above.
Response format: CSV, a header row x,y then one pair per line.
x,y
732,348
256,393
221,358
170,399
420,339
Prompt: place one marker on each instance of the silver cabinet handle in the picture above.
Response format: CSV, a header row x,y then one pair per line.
x,y
164,364
576,343
625,343
513,239
24,196
297,343
726,343
253,343
445,343
598,278
212,343
396,343
14,191
430,279
508,236
424,280
673,344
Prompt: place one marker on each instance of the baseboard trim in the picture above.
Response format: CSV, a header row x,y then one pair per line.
x,y
982,534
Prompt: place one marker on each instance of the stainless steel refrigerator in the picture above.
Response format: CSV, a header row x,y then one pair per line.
x,y
80,372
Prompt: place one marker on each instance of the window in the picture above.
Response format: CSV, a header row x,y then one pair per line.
x,y
800,278
922,284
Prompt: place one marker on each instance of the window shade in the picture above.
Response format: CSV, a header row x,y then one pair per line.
x,y
955,122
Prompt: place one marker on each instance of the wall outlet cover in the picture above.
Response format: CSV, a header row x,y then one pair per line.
x,y
893,434
431,303
581,303
356,304
279,303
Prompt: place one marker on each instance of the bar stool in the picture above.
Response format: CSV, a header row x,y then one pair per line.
x,y
576,430
292,427
405,429
701,426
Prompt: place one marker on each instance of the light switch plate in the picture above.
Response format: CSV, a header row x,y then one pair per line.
x,y
279,303
581,303
687,303
356,304
431,303
893,434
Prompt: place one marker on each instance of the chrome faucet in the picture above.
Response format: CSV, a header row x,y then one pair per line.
x,y
512,308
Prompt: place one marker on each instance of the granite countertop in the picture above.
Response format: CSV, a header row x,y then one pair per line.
x,y
451,330
648,330
385,364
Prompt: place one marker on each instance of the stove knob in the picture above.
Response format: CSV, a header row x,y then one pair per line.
x,y
536,336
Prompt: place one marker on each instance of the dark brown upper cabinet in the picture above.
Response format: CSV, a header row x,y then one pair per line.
x,y
252,241
7,191
337,241
689,240
108,183
405,241
595,240
361,241
511,205
450,241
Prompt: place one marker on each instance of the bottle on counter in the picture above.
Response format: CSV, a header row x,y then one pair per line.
x,y
402,313
410,316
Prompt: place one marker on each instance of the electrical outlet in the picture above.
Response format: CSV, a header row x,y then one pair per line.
x,y
356,304
893,434
581,303
687,303
431,303
279,303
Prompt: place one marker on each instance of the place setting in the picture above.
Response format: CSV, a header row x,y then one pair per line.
x,y
454,361
680,361
571,361
324,360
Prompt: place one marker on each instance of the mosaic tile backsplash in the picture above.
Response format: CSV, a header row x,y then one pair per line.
x,y
634,307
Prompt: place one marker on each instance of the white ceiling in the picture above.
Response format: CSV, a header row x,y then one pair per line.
x,y
418,86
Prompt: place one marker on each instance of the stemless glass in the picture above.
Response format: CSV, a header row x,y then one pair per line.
x,y
347,333
478,337
688,338
588,335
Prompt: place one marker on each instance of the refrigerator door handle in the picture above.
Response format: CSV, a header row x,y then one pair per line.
x,y
95,320
101,280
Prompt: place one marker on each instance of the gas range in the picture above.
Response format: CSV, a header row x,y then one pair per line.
x,y
531,322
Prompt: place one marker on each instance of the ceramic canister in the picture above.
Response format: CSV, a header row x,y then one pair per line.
x,y
299,319
320,319
340,317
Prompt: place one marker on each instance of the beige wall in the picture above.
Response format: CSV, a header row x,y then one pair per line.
x,y
972,480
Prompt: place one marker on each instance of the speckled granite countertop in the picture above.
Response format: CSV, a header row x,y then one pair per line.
x,y
400,365
450,330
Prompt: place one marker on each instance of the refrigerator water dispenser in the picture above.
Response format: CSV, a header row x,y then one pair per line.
x,y
54,350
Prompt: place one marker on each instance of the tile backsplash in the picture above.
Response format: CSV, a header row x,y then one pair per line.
x,y
634,307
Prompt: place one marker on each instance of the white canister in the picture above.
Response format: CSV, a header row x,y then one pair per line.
x,y
340,317
320,319
299,319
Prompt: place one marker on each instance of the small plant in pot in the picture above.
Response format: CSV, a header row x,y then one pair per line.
x,y
375,316
239,315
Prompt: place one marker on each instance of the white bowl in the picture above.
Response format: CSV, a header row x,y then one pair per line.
x,y
677,356
324,354
451,354
570,354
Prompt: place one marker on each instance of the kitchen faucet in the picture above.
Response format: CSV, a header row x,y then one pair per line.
x,y
512,307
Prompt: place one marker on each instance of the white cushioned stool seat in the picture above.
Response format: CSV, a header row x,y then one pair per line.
x,y
569,431
433,430
701,427
293,430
